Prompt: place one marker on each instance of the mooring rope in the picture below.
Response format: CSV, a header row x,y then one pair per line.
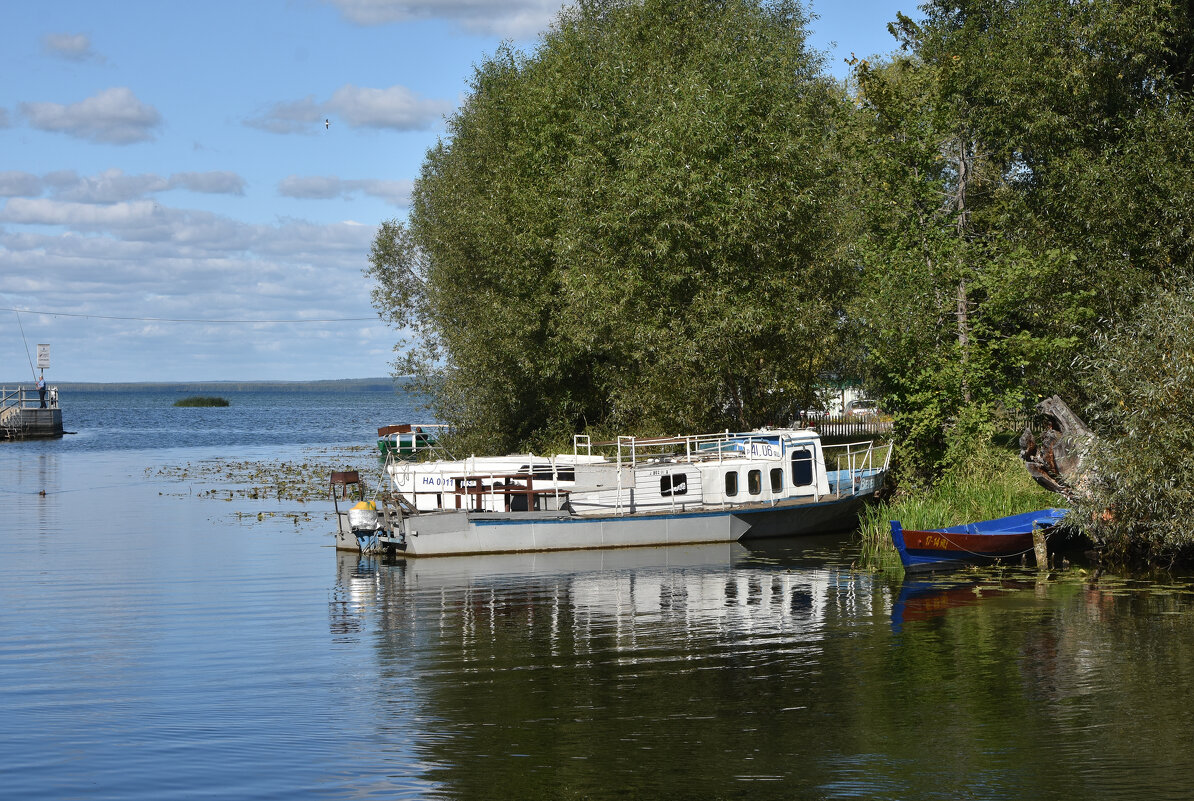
x,y
986,555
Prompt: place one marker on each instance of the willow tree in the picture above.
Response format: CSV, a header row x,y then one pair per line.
x,y
632,226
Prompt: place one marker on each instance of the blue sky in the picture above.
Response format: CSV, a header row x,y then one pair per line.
x,y
170,160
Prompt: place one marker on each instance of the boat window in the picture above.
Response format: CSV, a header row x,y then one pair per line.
x,y
731,483
777,480
673,484
754,482
802,467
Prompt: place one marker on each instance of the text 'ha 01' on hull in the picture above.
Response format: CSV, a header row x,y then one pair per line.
x,y
972,543
630,492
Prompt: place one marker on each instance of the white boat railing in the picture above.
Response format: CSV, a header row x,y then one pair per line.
x,y
629,451
859,461
844,466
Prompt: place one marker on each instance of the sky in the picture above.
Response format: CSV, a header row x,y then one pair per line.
x,y
188,191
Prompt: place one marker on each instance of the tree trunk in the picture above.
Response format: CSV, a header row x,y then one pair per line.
x,y
1059,461
963,312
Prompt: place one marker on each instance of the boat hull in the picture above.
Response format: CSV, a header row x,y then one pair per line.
x,y
974,543
458,533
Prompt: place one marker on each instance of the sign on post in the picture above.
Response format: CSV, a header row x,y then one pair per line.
x,y
43,357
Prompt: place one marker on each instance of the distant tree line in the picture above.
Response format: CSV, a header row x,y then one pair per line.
x,y
670,217
382,384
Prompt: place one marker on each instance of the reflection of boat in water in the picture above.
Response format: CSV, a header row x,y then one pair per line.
x,y
631,492
971,543
927,599
700,590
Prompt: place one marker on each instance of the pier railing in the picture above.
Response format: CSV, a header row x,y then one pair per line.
x,y
20,397
22,415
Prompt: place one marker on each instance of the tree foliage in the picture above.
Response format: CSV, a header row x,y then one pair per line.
x,y
1022,169
1142,500
632,226
668,217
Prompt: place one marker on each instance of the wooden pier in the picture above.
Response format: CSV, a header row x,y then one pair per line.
x,y
23,416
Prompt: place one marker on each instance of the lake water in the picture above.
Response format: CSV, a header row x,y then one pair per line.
x,y
159,641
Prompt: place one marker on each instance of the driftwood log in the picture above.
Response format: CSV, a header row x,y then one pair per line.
x,y
1059,461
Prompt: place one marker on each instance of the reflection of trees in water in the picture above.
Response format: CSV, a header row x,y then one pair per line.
x,y
558,683
697,680
1077,678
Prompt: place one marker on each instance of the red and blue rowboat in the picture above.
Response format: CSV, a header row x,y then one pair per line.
x,y
981,542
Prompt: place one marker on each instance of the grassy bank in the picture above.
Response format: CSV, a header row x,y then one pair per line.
x,y
991,484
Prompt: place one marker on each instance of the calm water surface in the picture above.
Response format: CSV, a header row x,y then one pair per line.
x,y
156,644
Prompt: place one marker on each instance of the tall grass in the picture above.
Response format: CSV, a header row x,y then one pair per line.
x,y
991,483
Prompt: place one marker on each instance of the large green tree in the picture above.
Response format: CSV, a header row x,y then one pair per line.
x,y
1022,170
633,226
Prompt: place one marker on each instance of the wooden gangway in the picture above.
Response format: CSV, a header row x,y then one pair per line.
x,y
24,414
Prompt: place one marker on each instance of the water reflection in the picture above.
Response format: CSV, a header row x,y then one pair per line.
x,y
705,591
549,674
715,671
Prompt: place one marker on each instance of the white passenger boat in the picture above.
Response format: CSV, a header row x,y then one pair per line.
x,y
629,492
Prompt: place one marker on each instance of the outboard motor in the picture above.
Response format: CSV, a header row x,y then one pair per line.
x,y
364,521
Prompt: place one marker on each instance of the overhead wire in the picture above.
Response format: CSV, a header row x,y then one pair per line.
x,y
184,319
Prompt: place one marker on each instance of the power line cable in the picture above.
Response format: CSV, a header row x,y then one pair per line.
x,y
184,319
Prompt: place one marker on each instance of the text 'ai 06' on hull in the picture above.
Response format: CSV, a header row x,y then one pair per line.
x,y
627,492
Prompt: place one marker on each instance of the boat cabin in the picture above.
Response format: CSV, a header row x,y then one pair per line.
x,y
636,475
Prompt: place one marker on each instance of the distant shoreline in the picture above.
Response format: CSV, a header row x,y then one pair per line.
x,y
382,384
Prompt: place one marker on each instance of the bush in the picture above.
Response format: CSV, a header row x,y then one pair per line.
x,y
1141,503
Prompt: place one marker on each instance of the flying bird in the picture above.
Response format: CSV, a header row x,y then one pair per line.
x,y
327,124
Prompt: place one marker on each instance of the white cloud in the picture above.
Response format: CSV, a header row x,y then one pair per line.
x,y
298,116
109,186
113,186
142,260
114,116
70,46
86,216
395,108
19,184
221,182
513,18
396,193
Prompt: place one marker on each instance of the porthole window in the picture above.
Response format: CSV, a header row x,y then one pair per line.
x,y
777,480
802,467
754,482
731,483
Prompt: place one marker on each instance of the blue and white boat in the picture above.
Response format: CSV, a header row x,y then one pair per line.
x,y
971,543
628,492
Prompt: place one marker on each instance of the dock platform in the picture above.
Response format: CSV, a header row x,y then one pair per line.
x,y
22,415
